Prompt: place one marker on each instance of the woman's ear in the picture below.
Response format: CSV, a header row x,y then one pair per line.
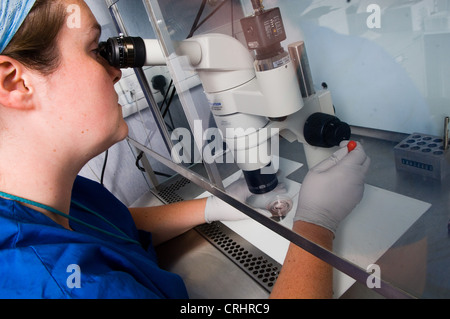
x,y
14,92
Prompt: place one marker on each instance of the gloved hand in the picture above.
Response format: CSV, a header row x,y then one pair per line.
x,y
333,188
218,210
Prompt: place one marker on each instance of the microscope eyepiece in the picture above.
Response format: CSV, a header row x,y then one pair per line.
x,y
124,52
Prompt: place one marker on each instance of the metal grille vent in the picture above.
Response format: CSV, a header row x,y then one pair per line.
x,y
254,262
169,195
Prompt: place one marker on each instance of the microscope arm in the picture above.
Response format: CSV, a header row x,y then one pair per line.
x,y
241,97
226,69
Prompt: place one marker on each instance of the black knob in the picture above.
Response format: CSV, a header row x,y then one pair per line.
x,y
259,182
325,130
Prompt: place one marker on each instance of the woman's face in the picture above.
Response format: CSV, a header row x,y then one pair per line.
x,y
79,99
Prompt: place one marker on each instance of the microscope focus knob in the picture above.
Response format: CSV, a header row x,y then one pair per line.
x,y
325,130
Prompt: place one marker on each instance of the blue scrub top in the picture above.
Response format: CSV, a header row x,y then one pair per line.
x,y
41,259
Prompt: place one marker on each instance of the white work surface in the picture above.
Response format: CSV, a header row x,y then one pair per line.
x,y
363,237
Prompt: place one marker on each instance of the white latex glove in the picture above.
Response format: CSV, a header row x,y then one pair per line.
x,y
218,210
333,188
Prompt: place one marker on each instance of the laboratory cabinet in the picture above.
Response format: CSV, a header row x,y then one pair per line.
x,y
379,70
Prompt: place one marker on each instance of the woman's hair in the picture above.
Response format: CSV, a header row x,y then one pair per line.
x,y
34,44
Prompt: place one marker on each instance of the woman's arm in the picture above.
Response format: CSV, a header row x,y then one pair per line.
x,y
302,274
330,191
168,221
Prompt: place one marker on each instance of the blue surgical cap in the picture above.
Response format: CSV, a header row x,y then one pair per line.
x,y
12,15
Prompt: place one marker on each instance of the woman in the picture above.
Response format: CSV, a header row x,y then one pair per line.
x,y
63,236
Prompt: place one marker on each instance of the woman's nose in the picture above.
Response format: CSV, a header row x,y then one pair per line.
x,y
116,74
